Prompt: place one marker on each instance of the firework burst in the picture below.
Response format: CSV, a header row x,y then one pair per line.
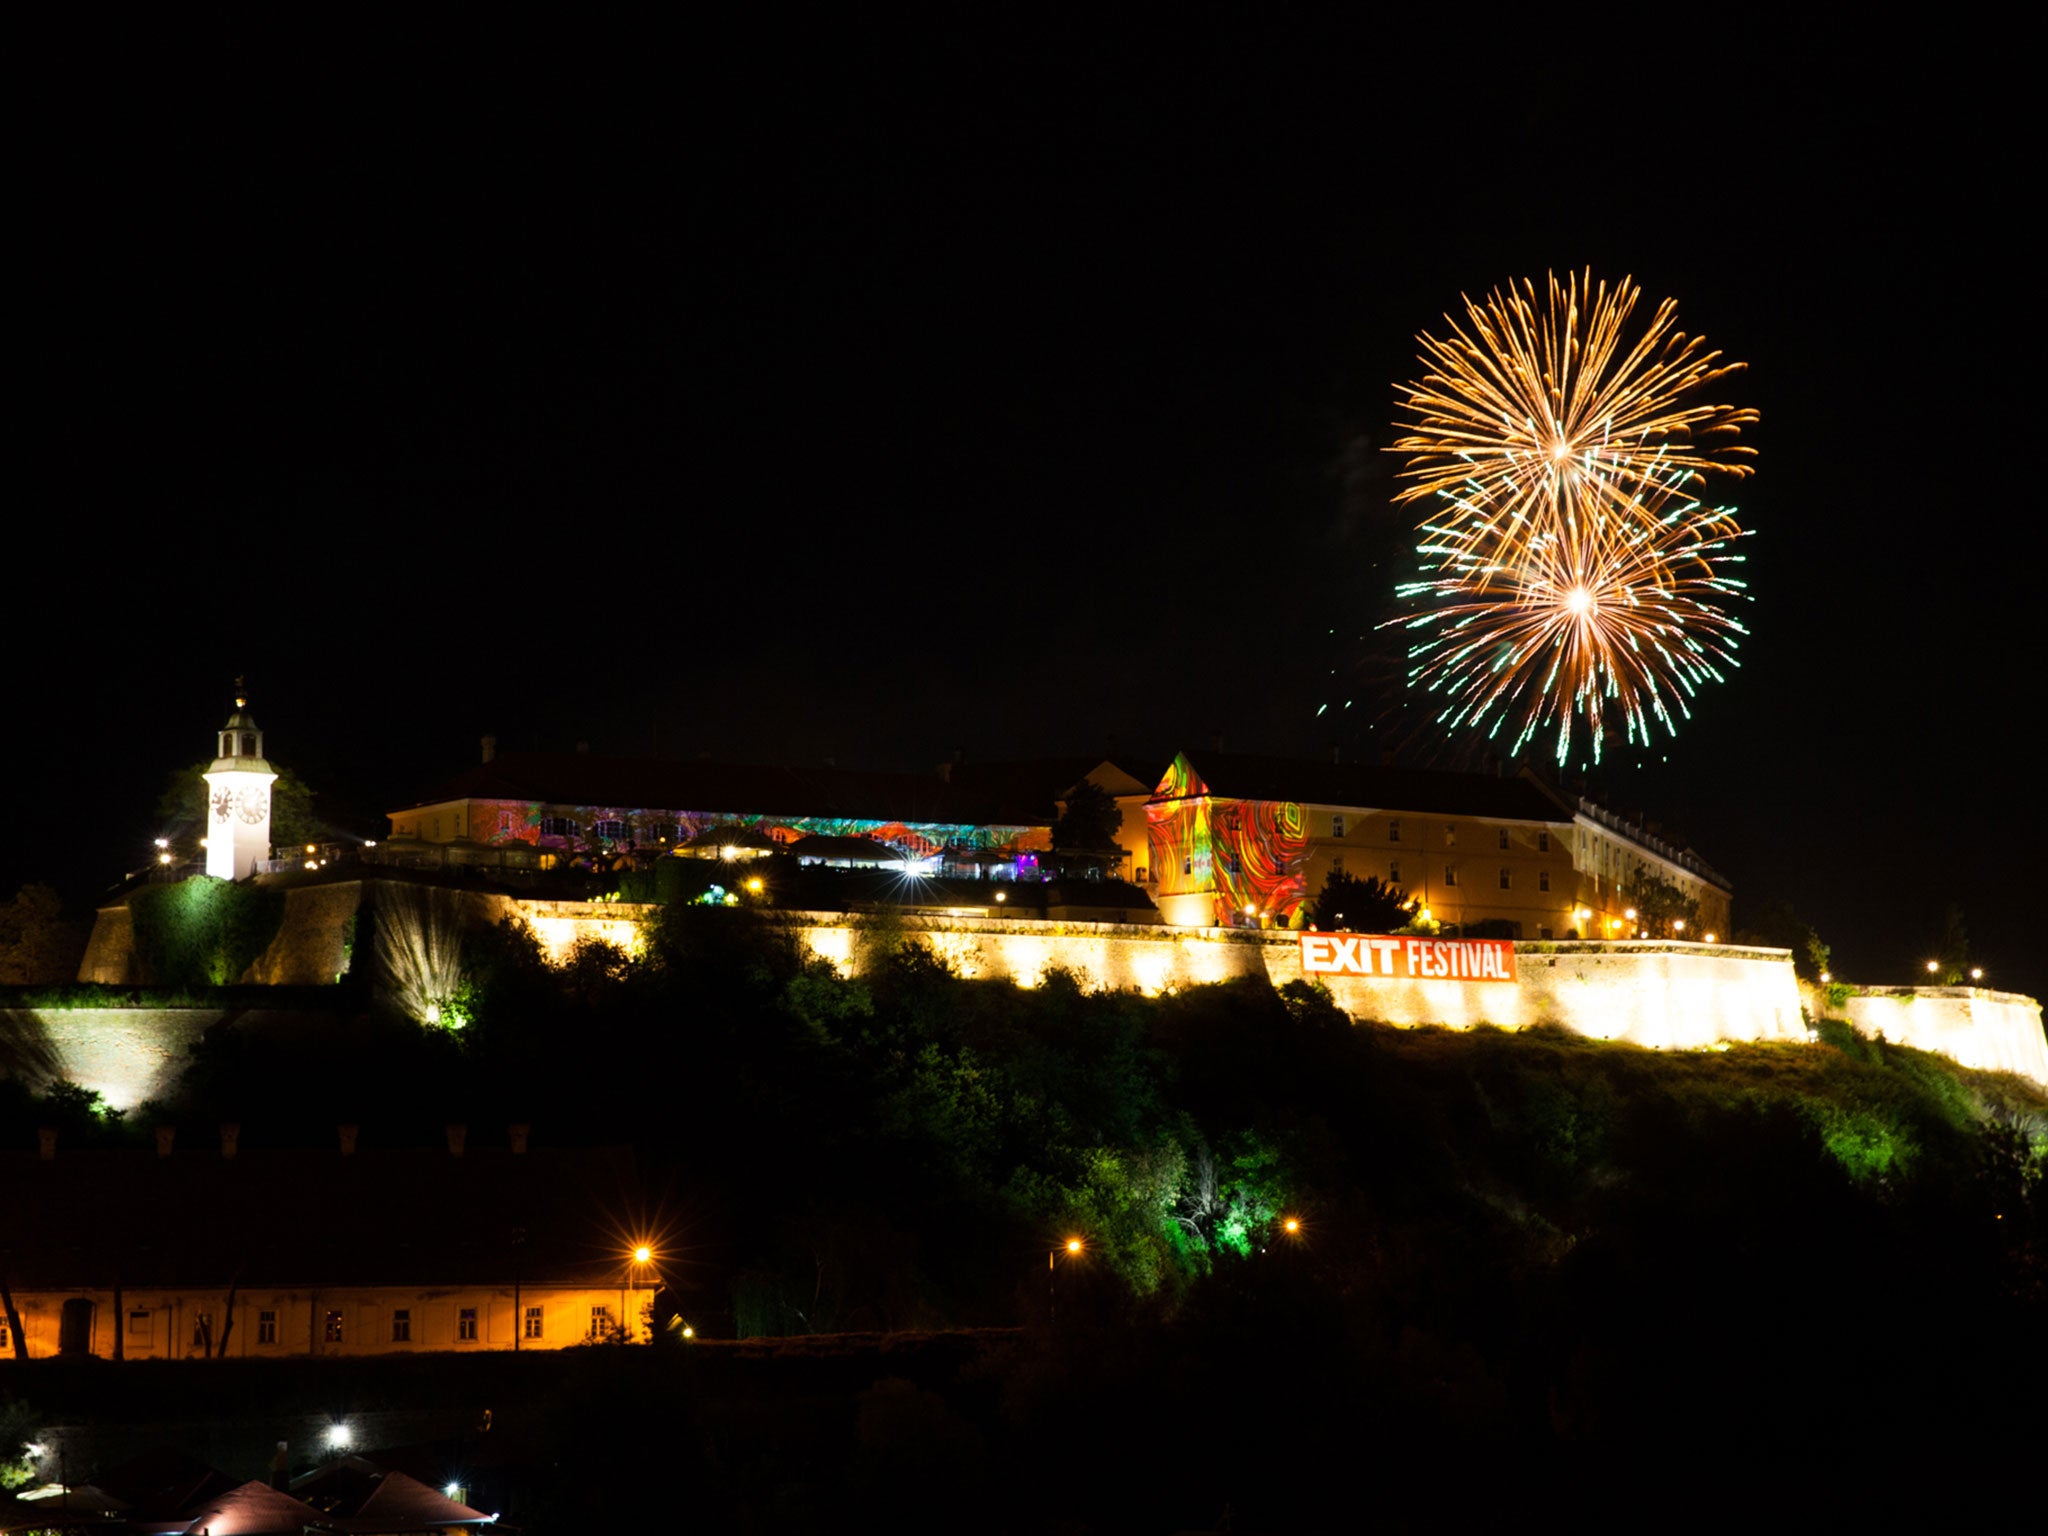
x,y
1572,570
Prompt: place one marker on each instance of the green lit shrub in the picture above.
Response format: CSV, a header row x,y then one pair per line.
x,y
203,932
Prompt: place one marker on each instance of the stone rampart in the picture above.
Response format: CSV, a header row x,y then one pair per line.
x,y
1662,994
1992,1031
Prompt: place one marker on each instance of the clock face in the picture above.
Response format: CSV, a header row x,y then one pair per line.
x,y
223,804
255,805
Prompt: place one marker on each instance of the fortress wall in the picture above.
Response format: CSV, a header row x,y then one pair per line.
x,y
1993,1031
127,1055
110,952
311,947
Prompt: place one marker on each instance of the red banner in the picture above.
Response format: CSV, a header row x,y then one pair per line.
x,y
1408,958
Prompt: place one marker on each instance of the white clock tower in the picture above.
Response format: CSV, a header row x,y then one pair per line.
x,y
238,797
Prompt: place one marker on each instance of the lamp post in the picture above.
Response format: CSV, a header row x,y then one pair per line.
x,y
1072,1247
641,1256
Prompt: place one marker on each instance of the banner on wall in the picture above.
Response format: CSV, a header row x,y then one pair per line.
x,y
1408,958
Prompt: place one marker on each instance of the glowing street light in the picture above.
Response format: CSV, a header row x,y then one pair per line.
x,y
1001,897
1827,976
1073,1247
338,1437
1291,1226
1976,973
1933,966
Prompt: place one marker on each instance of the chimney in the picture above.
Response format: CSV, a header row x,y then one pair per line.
x,y
46,1142
348,1139
490,749
166,1135
458,1133
230,1133
518,1133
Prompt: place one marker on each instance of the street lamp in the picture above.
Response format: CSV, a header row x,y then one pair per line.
x,y
1073,1247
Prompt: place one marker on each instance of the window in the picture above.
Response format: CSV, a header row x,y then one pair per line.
x,y
504,821
1450,874
1503,839
1507,878
1542,879
533,1322
266,1327
332,1333
202,1331
661,832
614,831
1187,864
557,826
1543,842
138,1327
6,1339
1232,864
1543,933
401,1325
465,1323
600,1322
1337,825
1394,873
1394,829
1450,834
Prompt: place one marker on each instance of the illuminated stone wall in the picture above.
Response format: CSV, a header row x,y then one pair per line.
x,y
1651,993
126,1055
1993,1031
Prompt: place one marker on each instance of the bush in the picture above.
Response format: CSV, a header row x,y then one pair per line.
x,y
203,932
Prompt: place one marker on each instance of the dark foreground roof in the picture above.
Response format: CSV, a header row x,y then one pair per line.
x,y
1240,776
377,1217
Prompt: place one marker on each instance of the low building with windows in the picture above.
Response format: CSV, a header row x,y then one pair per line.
x,y
252,1254
1238,840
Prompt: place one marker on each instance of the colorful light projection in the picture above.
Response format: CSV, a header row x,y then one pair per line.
x,y
522,821
1249,855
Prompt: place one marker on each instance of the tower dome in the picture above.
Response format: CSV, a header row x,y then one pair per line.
x,y
238,797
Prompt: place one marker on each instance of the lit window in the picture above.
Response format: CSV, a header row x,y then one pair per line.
x,y
1450,874
1394,830
533,1321
1450,834
465,1323
266,1327
1337,825
332,1332
504,821
1542,879
1503,839
401,1325
600,1322
1507,879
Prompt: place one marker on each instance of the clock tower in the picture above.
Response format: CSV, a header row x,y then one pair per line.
x,y
238,797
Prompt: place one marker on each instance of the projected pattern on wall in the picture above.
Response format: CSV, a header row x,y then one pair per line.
x,y
526,821
1243,853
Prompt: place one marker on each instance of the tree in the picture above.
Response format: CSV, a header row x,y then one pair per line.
x,y
1661,905
1776,926
1361,906
1089,820
1084,836
1952,953
38,944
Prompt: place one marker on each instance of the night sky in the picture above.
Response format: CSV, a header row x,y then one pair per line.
x,y
785,393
